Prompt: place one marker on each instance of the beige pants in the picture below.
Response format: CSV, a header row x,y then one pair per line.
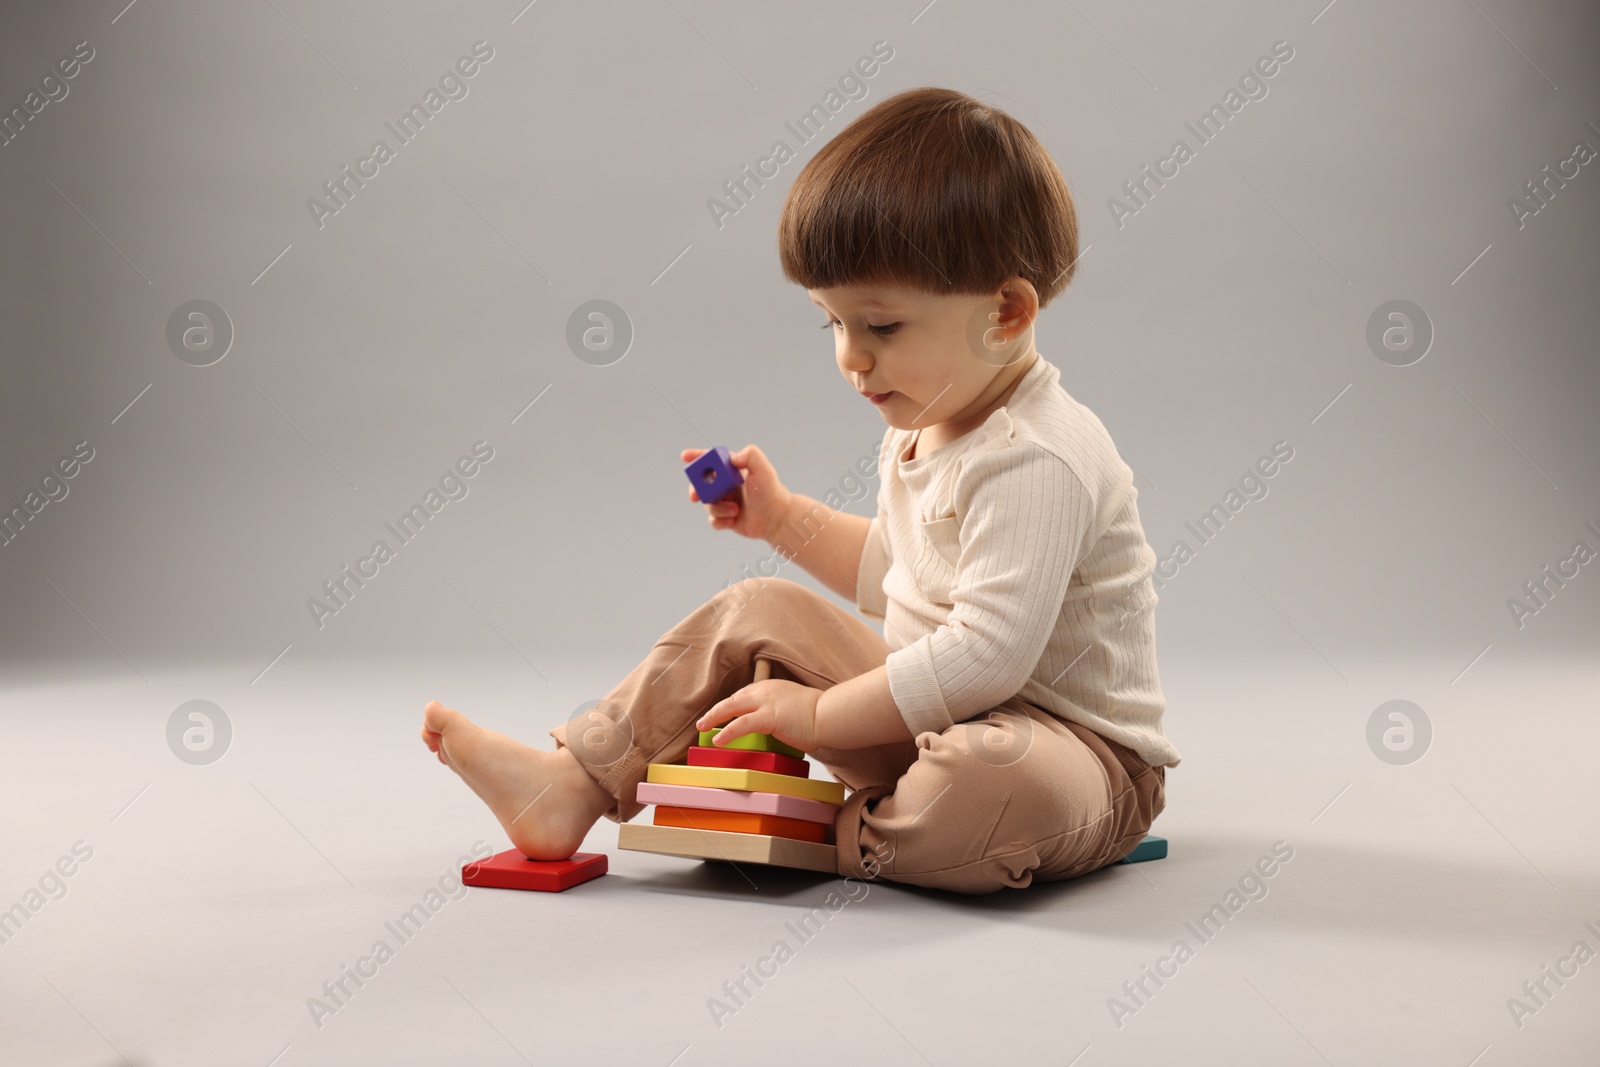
x,y
1007,797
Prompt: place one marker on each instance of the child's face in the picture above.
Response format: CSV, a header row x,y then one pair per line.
x,y
922,349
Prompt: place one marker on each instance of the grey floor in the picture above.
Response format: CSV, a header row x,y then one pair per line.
x,y
1418,900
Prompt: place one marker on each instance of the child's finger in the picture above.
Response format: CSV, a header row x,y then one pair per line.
x,y
714,717
736,703
751,461
733,731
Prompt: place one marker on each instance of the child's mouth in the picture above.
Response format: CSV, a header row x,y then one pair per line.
x,y
879,398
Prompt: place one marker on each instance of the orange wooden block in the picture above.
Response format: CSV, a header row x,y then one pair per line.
x,y
743,822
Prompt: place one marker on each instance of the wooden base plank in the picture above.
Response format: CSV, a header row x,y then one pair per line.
x,y
733,848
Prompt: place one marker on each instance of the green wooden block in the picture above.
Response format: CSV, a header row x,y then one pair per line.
x,y
752,743
1151,848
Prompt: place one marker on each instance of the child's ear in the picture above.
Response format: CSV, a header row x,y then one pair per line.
x,y
1019,306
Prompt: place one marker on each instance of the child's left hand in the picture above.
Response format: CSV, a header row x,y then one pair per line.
x,y
786,710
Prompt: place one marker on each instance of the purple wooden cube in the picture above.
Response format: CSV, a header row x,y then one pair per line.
x,y
713,475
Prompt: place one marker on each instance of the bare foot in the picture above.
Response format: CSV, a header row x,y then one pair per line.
x,y
545,801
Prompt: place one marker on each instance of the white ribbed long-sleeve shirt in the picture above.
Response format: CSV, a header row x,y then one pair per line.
x,y
1011,562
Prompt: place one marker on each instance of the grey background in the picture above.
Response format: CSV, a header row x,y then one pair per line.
x,y
1201,332
1228,314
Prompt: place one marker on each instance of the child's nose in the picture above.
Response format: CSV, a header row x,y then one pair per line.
x,y
853,358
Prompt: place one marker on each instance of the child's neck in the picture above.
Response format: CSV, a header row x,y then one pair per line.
x,y
928,438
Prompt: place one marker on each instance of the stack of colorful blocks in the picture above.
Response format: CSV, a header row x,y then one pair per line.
x,y
751,800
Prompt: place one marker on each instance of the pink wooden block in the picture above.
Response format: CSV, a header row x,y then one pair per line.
x,y
696,796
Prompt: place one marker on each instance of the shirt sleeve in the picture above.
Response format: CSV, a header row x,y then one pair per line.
x,y
1024,519
875,558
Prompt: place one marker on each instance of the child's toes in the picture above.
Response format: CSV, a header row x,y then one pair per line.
x,y
436,718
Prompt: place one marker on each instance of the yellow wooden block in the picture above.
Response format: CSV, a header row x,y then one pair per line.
x,y
729,846
746,779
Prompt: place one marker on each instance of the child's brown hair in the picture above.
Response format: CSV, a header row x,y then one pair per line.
x,y
932,190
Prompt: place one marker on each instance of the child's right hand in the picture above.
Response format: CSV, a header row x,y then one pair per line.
x,y
757,508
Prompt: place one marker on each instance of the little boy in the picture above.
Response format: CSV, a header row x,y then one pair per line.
x,y
1007,726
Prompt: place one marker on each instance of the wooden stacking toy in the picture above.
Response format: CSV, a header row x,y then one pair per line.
x,y
749,801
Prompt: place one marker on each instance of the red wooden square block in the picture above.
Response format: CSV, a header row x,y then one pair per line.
x,y
512,870
775,762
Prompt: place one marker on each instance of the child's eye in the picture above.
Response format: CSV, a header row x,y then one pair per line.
x,y
882,331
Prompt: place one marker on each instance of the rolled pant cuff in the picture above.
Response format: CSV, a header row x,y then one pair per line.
x,y
620,778
847,826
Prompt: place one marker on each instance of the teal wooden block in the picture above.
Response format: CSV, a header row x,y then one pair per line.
x,y
1151,848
